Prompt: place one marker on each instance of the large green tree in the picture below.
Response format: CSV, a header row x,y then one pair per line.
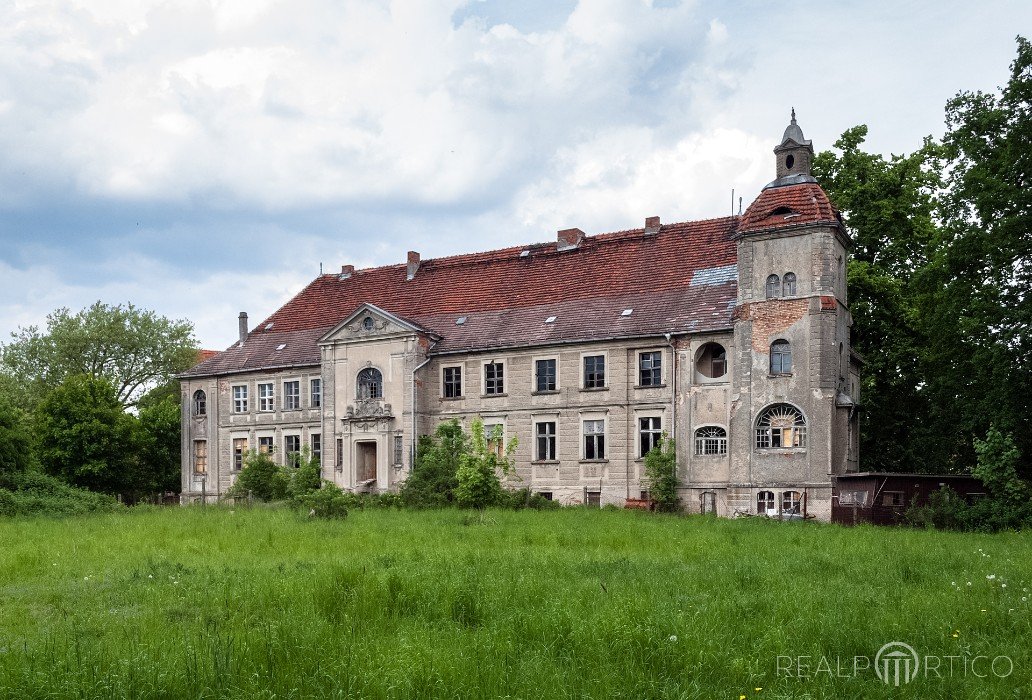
x,y
85,437
889,207
159,434
133,349
15,441
976,307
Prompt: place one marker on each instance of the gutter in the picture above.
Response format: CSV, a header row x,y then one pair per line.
x,y
412,438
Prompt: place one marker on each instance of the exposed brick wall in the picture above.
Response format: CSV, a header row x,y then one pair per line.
x,y
771,317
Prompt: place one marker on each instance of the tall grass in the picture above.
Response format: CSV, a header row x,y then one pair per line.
x,y
263,603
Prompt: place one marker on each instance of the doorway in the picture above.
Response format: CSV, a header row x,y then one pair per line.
x,y
366,461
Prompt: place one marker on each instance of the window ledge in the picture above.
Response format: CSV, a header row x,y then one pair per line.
x,y
780,374
546,392
493,396
594,388
650,386
454,398
545,462
724,454
593,461
781,450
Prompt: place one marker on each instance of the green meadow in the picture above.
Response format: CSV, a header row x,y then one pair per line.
x,y
264,603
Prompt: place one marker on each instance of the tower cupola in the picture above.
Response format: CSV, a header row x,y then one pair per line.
x,y
793,157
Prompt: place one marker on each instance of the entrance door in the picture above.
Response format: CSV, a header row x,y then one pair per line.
x,y
366,461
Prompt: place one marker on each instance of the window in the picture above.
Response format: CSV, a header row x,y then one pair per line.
x,y
547,495
494,378
708,502
240,399
711,361
594,371
650,369
399,450
316,440
200,457
292,447
545,375
545,442
892,498
266,446
370,384
594,439
367,323
780,357
494,433
780,426
266,397
711,440
452,382
339,457
316,392
650,433
239,450
789,288
291,396
200,403
593,499
765,503
790,502
773,287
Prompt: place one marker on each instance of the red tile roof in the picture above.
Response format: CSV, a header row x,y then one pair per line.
x,y
790,205
681,279
203,355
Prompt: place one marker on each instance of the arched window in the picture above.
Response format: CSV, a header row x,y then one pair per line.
x,y
780,426
711,440
711,361
773,287
765,503
788,289
370,384
200,403
780,357
790,502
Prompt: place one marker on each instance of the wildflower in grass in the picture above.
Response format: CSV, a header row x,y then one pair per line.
x,y
991,576
969,583
1003,585
956,633
1024,598
673,638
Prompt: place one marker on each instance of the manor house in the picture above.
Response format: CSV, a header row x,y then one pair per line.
x,y
730,335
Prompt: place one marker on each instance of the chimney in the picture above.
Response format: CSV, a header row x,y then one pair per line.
x,y
569,239
413,264
651,225
242,322
346,271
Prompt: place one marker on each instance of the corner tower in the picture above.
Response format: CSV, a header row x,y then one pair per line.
x,y
793,412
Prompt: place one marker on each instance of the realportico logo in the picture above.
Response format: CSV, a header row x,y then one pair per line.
x,y
896,663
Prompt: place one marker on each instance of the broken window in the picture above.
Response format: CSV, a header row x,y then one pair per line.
x,y
790,502
892,498
494,378
266,445
316,392
316,440
370,384
292,447
765,503
200,457
239,450
789,288
711,440
780,357
593,499
494,434
780,426
291,396
452,382
650,369
545,375
711,361
773,287
545,442
594,371
200,403
594,439
650,432
399,450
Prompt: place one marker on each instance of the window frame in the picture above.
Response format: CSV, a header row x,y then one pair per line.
x,y
772,288
782,350
497,382
266,403
764,435
200,403
789,284
708,348
267,440
596,383
654,433
497,445
292,457
237,464
550,440
315,444
296,384
398,450
654,373
703,442
315,392
536,387
791,502
453,384
770,502
369,384
241,398
200,458
593,442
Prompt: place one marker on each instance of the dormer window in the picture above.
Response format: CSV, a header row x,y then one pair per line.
x,y
370,383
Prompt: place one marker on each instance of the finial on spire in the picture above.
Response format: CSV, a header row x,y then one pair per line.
x,y
793,115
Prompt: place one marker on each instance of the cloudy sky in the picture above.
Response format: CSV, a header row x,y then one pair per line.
x,y
203,157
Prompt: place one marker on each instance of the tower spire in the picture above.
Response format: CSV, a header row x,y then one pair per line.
x,y
793,156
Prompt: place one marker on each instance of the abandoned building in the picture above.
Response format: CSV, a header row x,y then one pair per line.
x,y
730,335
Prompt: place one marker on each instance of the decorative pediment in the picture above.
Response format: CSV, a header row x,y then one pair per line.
x,y
370,321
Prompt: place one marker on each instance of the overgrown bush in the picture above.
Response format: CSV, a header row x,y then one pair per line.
x,y
261,478
945,510
328,502
15,443
661,476
518,499
479,484
306,476
432,482
35,493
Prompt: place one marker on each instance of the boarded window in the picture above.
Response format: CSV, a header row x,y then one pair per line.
x,y
200,457
780,426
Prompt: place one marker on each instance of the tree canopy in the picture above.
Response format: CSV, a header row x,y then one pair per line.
x,y
133,349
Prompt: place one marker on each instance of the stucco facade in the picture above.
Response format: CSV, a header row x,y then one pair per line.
x,y
686,334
